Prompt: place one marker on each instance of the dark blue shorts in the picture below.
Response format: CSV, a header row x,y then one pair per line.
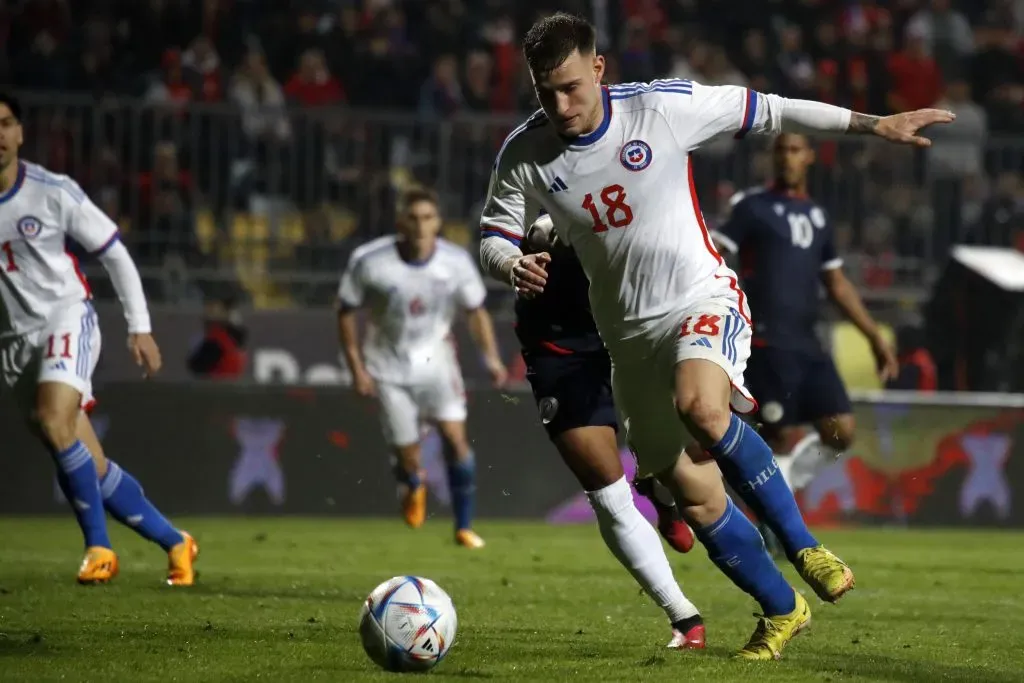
x,y
571,390
795,387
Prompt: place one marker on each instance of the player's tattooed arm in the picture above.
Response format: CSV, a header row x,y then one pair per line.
x,y
863,124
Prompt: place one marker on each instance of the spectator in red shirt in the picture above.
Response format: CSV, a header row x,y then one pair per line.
x,y
203,60
916,79
312,85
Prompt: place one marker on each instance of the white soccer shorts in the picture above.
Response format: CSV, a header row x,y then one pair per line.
x,y
644,386
66,351
405,407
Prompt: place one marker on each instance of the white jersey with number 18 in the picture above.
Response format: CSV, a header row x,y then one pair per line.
x,y
623,197
38,275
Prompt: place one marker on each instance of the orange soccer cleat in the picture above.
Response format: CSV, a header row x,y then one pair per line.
x,y
414,505
181,560
468,538
98,566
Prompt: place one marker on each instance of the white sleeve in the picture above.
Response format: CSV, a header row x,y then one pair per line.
x,y
709,111
494,254
504,212
350,291
471,291
128,285
87,224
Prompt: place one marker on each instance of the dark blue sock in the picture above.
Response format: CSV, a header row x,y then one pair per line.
x,y
736,548
81,486
462,482
750,468
125,501
410,479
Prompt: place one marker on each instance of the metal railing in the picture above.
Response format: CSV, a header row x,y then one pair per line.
x,y
273,200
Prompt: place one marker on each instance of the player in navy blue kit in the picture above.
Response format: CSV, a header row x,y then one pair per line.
x,y
570,373
786,248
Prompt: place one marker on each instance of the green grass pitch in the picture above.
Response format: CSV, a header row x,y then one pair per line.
x,y
278,600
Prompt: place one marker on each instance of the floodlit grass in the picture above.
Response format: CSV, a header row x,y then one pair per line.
x,y
279,598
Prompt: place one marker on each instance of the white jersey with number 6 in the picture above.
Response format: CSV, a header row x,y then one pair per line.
x,y
39,277
623,197
411,307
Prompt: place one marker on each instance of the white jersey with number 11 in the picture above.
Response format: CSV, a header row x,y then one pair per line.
x,y
38,275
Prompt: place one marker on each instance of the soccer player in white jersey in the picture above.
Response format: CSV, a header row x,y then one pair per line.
x,y
413,284
609,165
50,343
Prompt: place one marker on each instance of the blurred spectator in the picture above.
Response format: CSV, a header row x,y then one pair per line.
x,y
945,35
916,80
441,94
312,85
1002,218
959,149
174,87
478,92
42,66
220,354
202,59
262,101
636,60
795,65
996,62
167,208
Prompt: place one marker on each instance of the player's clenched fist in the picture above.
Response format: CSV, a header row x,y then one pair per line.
x,y
529,273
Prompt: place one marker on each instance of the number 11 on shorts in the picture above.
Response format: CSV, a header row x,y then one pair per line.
x,y
63,342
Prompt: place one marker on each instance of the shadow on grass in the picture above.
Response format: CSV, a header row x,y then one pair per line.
x,y
890,668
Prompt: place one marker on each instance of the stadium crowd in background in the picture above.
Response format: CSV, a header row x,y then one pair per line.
x,y
272,65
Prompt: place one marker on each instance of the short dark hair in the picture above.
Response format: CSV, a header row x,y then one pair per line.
x,y
12,103
551,40
414,194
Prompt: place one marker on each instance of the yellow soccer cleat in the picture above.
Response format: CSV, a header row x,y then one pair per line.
x,y
414,505
773,633
98,566
181,562
830,577
468,538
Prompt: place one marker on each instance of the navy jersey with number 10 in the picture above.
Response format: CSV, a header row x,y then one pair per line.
x,y
784,242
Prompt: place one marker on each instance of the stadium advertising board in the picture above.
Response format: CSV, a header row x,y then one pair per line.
x,y
293,347
222,449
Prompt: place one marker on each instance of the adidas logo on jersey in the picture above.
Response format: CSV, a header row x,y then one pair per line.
x,y
703,341
557,186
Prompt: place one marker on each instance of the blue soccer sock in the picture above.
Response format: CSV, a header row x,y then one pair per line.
x,y
462,483
124,499
748,465
736,548
410,479
81,486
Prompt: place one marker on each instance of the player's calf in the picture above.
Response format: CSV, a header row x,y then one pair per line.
x,y
732,542
837,432
461,466
703,393
56,414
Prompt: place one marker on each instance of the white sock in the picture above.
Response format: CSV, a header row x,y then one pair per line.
x,y
809,457
637,546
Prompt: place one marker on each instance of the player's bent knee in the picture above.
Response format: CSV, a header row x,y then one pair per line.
x,y
706,417
838,432
56,414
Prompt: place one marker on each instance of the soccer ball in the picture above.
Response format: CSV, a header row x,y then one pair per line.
x,y
407,624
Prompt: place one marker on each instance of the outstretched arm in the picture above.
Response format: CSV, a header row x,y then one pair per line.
x,y
705,112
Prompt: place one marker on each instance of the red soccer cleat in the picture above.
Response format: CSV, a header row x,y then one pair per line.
x,y
674,530
691,640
